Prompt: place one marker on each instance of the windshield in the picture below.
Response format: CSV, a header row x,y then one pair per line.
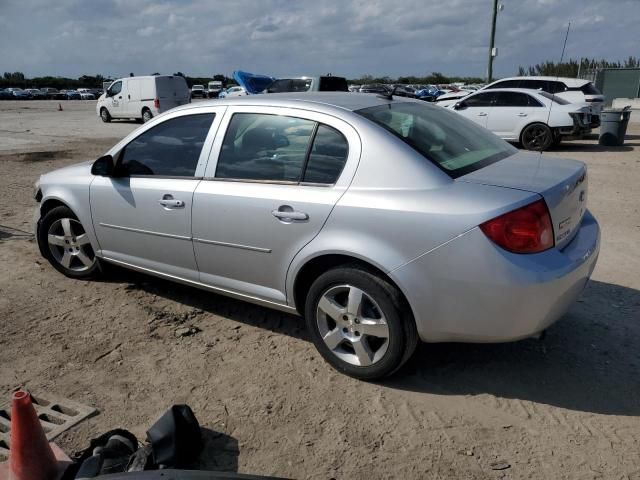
x,y
453,143
553,98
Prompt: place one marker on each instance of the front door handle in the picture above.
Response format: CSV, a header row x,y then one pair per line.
x,y
168,202
522,114
482,114
288,214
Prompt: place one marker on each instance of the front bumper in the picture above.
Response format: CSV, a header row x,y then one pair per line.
x,y
471,290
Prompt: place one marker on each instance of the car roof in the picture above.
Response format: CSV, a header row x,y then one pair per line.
x,y
570,82
529,91
315,100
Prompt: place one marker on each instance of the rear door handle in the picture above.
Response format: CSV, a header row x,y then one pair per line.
x,y
522,114
168,202
482,114
286,213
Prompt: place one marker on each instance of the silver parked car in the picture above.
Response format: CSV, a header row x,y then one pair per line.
x,y
380,220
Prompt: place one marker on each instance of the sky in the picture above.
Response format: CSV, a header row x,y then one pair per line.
x,y
306,37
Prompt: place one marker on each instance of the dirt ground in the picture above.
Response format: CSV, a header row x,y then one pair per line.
x,y
564,408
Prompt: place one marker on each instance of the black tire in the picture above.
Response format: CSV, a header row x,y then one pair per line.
x,y
146,115
402,336
105,115
53,253
537,137
557,139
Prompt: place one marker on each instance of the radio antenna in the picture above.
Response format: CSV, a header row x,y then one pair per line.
x,y
553,95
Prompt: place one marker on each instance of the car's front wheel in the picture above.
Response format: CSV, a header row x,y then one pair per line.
x,y
64,243
358,323
537,137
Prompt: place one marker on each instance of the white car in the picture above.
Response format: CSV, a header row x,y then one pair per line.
x,y
198,91
86,94
574,90
142,98
233,92
536,119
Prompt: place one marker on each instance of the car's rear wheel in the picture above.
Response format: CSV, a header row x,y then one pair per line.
x,y
104,115
64,243
537,137
358,323
146,115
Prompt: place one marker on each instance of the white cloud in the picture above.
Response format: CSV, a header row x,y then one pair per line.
x,y
146,31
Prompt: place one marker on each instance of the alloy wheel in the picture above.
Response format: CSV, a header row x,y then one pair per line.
x,y
536,137
69,245
352,325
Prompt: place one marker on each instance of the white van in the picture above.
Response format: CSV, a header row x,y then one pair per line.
x,y
214,87
142,97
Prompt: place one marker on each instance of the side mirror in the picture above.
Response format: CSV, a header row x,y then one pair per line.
x,y
103,166
459,106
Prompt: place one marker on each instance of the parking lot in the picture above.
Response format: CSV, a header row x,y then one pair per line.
x,y
132,345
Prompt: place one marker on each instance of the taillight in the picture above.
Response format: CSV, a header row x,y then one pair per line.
x,y
525,230
156,102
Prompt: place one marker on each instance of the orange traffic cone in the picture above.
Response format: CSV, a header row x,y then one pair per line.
x,y
60,107
30,456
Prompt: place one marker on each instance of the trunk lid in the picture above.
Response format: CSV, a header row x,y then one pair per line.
x,y
561,182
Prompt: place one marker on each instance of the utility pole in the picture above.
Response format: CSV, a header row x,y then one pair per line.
x,y
492,41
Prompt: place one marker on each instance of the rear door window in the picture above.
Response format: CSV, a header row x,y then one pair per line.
x,y
512,99
535,84
263,147
276,148
480,100
505,84
171,148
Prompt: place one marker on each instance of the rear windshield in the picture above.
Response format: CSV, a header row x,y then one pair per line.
x,y
454,144
553,98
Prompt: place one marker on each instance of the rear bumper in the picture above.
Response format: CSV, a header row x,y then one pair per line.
x,y
575,131
471,290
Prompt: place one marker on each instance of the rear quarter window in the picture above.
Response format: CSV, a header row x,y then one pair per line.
x,y
590,89
327,157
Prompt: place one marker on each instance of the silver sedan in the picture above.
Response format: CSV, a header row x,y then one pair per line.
x,y
381,220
